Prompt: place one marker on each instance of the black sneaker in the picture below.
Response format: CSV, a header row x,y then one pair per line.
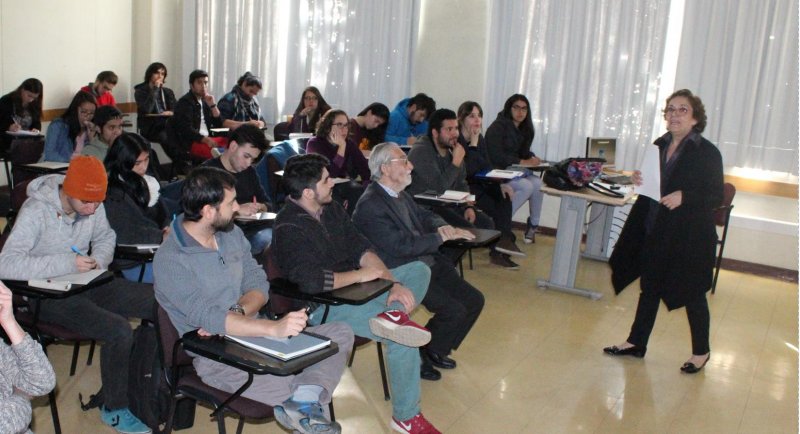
x,y
508,247
503,261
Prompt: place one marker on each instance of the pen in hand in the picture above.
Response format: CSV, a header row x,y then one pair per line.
x,y
307,310
77,251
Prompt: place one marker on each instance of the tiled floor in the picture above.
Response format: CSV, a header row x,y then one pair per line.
x,y
533,364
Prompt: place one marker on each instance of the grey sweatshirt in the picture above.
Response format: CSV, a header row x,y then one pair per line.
x,y
24,371
39,244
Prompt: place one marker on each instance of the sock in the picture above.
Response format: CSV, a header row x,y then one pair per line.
x,y
307,393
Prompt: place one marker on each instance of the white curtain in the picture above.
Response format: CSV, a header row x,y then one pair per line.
x,y
740,57
355,51
588,67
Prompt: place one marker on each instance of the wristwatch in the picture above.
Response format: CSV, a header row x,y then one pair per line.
x,y
237,308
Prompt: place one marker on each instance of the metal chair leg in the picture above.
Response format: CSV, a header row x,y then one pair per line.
x,y
91,353
54,411
382,366
469,252
221,423
76,348
240,426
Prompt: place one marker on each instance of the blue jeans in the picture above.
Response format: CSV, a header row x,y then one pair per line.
x,y
529,190
259,240
403,361
133,273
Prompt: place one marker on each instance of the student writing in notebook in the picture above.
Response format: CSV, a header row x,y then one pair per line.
x,y
66,211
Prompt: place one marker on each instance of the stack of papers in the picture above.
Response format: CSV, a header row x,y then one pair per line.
x,y
450,196
504,174
283,348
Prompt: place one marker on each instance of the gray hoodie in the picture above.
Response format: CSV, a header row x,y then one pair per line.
x,y
39,244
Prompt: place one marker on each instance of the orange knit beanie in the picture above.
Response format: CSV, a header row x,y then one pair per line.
x,y
86,179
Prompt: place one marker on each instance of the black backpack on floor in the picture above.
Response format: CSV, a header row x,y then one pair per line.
x,y
148,393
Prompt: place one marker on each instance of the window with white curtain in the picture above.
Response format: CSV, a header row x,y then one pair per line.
x,y
740,57
589,68
355,51
594,68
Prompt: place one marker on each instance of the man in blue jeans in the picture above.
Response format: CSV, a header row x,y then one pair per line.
x,y
319,248
52,235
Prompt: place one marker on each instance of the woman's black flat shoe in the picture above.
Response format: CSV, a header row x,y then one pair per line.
x,y
634,351
690,368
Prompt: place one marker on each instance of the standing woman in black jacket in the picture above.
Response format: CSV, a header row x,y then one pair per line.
x,y
509,138
671,244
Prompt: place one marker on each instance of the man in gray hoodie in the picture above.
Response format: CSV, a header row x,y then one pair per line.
x,y
62,229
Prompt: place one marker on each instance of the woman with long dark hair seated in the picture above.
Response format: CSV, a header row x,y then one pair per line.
x,y
509,138
20,110
132,203
67,135
491,197
308,112
368,129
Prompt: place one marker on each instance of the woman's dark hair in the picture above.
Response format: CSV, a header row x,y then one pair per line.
x,y
698,109
152,69
32,85
322,106
526,126
464,111
376,135
119,162
325,124
248,79
376,109
302,172
204,186
70,116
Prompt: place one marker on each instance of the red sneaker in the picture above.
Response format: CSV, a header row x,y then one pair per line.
x,y
395,325
416,425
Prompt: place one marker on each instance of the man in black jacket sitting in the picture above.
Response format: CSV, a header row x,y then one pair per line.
x,y
402,232
318,248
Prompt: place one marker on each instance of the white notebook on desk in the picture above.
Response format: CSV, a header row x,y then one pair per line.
x,y
65,282
283,348
54,165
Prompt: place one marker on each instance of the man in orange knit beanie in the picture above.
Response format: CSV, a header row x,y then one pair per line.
x,y
62,229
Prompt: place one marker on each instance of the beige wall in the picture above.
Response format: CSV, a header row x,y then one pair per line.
x,y
450,63
65,44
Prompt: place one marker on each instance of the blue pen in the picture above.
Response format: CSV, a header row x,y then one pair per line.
x,y
77,250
